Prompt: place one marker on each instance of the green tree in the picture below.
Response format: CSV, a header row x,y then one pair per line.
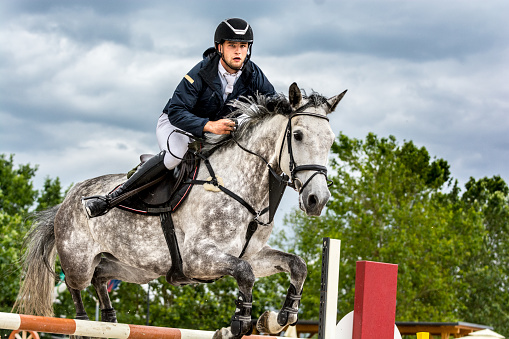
x,y
51,194
12,230
388,205
16,188
486,272
17,197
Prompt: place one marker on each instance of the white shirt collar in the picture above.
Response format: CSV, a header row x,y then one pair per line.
x,y
223,73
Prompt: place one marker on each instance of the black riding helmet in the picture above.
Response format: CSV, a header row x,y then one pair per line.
x,y
234,29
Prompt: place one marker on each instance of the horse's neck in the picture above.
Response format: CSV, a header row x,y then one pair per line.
x,y
250,171
264,140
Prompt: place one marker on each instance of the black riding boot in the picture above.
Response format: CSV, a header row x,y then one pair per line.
x,y
149,171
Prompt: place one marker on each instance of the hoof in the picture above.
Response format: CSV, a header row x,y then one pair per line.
x,y
223,333
267,323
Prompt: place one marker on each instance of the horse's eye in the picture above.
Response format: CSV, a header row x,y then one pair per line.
x,y
297,135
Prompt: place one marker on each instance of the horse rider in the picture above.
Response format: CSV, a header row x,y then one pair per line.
x,y
198,105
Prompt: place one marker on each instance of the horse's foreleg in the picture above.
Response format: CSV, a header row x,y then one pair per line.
x,y
241,320
268,262
240,324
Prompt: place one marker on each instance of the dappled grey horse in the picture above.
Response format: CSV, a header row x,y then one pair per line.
x,y
210,226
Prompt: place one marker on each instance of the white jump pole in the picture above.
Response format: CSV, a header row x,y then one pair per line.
x,y
329,288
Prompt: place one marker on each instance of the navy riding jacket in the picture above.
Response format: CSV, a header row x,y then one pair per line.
x,y
199,97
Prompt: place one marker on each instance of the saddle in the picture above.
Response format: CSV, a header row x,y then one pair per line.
x,y
165,194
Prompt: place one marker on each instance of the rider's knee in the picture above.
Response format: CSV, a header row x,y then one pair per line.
x,y
170,161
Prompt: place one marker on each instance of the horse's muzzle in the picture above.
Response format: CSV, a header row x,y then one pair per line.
x,y
313,201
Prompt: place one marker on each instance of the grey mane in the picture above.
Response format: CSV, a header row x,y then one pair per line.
x,y
257,109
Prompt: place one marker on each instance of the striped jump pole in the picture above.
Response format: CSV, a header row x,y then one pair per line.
x,y
11,321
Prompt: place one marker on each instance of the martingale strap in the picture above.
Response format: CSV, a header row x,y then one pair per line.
x,y
253,225
233,195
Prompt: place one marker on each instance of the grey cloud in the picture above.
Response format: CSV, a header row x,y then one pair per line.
x,y
115,7
82,83
417,30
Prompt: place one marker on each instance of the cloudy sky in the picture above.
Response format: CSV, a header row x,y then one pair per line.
x,y
82,83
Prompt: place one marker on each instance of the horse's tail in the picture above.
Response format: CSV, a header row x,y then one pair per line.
x,y
38,261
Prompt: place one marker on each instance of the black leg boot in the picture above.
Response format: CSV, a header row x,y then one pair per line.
x,y
149,171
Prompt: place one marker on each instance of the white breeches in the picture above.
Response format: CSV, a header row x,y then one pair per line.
x,y
175,144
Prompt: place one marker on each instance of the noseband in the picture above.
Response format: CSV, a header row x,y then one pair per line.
x,y
294,168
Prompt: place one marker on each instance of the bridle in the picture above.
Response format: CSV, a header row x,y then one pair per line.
x,y
294,168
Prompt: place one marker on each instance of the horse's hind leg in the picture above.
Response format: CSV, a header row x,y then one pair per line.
x,y
81,314
78,303
107,269
268,262
108,313
104,271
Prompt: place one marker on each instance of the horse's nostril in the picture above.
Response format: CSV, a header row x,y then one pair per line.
x,y
312,201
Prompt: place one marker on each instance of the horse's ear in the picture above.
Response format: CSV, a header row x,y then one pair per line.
x,y
295,96
334,101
